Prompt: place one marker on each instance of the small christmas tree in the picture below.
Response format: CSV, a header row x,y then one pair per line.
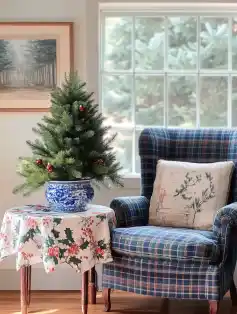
x,y
72,144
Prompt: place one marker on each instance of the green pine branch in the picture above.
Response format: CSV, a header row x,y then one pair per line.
x,y
73,142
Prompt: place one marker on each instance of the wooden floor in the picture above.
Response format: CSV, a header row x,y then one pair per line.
x,y
122,303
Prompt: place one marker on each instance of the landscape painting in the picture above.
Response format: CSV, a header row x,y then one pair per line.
x,y
27,69
34,58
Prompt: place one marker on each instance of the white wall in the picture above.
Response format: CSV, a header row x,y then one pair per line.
x,y
15,129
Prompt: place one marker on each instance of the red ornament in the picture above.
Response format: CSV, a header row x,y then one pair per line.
x,y
81,108
39,162
49,168
99,161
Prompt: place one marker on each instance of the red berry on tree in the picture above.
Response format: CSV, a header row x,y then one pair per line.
x,y
99,161
39,161
49,168
81,108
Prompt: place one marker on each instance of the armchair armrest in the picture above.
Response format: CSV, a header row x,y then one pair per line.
x,y
225,220
131,211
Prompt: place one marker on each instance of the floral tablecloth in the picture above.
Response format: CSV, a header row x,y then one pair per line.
x,y
36,234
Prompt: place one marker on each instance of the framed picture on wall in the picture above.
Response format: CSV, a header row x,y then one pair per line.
x,y
34,58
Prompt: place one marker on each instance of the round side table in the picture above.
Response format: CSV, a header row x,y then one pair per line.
x,y
38,235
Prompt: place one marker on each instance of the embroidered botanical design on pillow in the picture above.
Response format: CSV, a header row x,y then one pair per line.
x,y
187,195
162,194
192,183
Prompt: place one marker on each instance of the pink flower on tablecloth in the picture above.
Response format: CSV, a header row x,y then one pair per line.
x,y
3,236
31,223
99,251
79,241
39,207
14,211
87,232
73,249
8,218
20,247
46,221
26,256
53,251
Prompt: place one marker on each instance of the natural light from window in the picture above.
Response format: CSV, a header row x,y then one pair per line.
x,y
40,312
169,70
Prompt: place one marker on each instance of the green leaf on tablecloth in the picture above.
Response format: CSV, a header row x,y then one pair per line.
x,y
102,244
55,259
64,241
55,233
84,245
49,242
47,258
62,252
68,233
50,258
74,260
57,221
101,217
37,230
29,235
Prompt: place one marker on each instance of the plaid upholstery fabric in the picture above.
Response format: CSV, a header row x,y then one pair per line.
x,y
193,145
166,279
171,244
175,277
224,222
131,211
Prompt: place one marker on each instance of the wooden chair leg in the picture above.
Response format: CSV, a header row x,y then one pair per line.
x,y
213,307
25,288
84,293
92,286
233,295
107,302
164,309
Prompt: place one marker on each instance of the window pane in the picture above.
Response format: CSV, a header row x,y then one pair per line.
x,y
123,146
234,44
182,101
213,101
137,157
150,36
118,43
117,98
150,100
182,43
234,102
214,43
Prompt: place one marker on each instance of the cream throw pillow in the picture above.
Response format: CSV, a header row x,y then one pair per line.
x,y
189,194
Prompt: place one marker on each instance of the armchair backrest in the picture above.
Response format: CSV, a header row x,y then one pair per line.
x,y
192,145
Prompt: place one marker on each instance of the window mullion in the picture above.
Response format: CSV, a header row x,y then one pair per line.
x,y
133,95
166,87
101,61
229,104
198,104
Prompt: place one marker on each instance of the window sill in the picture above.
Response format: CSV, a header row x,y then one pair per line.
x,y
132,181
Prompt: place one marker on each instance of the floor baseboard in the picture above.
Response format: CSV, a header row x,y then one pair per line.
x,y
65,279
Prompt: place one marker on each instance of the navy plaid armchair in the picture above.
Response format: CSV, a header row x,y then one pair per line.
x,y
173,262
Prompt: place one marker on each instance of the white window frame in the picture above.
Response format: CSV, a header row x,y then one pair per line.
x,y
163,9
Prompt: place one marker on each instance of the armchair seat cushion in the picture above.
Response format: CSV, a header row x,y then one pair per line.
x,y
165,243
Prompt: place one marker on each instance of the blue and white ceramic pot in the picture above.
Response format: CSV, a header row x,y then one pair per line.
x,y
69,196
